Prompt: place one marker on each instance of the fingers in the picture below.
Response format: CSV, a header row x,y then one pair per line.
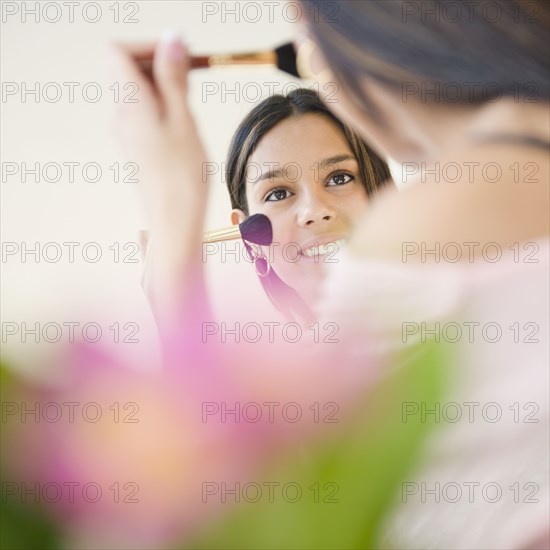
x,y
139,51
143,54
170,67
169,64
125,68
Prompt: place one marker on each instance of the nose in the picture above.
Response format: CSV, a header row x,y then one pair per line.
x,y
314,208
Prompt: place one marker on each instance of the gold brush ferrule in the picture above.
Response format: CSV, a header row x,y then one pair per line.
x,y
259,58
225,234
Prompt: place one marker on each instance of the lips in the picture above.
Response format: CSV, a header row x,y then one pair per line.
x,y
322,246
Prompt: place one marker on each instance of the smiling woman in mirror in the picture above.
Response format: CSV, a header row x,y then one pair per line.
x,y
294,161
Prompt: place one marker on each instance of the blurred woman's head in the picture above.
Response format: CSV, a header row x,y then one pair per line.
x,y
294,161
399,61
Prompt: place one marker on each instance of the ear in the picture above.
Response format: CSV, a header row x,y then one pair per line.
x,y
237,216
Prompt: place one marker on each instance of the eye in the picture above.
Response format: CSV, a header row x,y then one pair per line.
x,y
340,178
278,195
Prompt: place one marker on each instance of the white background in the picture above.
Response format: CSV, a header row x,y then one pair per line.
x,y
56,50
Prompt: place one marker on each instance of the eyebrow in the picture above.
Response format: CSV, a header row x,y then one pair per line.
x,y
278,172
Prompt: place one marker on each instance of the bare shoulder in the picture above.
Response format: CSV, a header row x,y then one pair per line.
x,y
495,194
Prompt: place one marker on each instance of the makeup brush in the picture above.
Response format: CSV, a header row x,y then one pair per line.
x,y
282,57
255,229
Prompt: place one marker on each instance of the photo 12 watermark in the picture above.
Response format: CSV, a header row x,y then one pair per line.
x,y
469,12
470,172
470,332
274,171
269,332
51,332
70,12
52,492
71,92
469,412
71,252
469,251
270,492
255,91
469,92
291,252
52,412
468,491
268,12
69,171
253,412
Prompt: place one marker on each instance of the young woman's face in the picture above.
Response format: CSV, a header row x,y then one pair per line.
x,y
304,176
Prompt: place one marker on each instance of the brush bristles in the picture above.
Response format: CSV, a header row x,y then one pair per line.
x,y
286,59
257,229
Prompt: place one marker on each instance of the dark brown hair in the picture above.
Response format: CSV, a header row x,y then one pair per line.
x,y
483,49
266,115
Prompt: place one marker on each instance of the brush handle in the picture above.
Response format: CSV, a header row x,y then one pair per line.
x,y
224,60
224,234
195,62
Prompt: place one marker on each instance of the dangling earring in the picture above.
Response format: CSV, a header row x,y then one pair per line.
x,y
263,267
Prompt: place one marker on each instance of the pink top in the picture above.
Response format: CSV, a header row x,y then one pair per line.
x,y
488,461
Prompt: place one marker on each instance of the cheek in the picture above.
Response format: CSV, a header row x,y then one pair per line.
x,y
283,252
281,224
283,239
